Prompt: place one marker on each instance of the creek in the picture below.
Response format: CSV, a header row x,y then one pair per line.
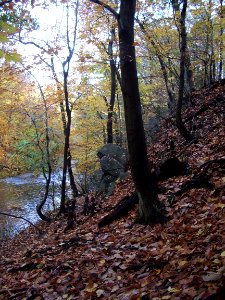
x,y
19,196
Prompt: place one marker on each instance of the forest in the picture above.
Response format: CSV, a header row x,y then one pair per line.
x,y
112,138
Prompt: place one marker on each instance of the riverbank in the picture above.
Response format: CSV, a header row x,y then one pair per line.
x,y
20,196
182,259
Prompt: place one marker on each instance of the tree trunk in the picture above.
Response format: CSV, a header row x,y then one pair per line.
x,y
64,117
183,49
149,205
113,89
45,157
181,27
66,144
150,209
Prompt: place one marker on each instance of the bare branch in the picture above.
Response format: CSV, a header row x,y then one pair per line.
x,y
19,217
107,7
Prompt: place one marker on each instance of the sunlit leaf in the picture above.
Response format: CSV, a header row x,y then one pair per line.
x,y
222,254
173,290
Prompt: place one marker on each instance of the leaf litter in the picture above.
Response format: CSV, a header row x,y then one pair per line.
x,y
181,259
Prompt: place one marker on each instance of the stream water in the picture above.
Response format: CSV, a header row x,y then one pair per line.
x,y
19,196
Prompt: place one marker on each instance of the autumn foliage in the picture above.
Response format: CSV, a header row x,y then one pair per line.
x,y
181,259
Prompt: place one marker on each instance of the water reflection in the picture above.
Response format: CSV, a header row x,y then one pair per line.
x,y
19,196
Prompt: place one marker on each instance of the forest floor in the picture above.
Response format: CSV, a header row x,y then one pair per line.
x,y
181,259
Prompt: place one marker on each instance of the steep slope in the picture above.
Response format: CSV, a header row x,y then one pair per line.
x,y
181,259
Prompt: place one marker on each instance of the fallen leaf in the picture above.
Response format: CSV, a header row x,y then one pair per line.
x,y
172,290
99,293
212,276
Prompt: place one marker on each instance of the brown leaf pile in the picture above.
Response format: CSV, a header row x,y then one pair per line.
x,y
182,259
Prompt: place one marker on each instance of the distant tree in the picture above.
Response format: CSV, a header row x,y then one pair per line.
x,y
51,49
163,64
149,206
183,68
45,154
113,88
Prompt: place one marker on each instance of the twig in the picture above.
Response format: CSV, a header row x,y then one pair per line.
x,y
19,217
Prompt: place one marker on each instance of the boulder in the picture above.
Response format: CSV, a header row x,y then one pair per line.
x,y
113,161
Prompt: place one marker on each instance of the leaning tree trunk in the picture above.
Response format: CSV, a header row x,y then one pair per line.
x,y
149,205
45,157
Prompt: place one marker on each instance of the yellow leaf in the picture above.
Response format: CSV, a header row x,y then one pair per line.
x,y
178,248
182,263
210,199
222,254
220,205
102,262
172,290
200,231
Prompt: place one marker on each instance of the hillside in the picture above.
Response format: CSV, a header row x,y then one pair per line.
x,y
181,259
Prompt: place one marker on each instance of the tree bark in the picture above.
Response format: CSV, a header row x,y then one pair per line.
x,y
67,155
183,51
113,89
66,145
64,118
45,156
149,205
150,209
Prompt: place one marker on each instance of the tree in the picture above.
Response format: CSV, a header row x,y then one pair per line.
x,y
10,23
66,67
107,53
183,58
165,70
113,88
89,135
149,205
45,155
52,49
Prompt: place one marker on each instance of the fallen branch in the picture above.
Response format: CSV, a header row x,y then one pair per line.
x,y
19,217
66,244
74,241
148,265
201,179
18,292
25,267
186,147
206,165
197,182
121,209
